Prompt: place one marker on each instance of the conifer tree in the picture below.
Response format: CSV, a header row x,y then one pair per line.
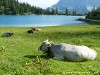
x,y
67,12
74,13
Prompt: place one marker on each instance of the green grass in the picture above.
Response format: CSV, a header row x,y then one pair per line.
x,y
19,54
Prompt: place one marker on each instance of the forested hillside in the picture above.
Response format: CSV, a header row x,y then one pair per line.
x,y
94,14
15,7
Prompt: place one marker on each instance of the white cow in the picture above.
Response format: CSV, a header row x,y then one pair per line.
x,y
67,51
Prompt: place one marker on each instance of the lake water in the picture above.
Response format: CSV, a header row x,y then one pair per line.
x,y
39,20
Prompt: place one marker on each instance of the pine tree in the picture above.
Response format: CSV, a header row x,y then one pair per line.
x,y
48,11
67,12
56,10
74,13
1,10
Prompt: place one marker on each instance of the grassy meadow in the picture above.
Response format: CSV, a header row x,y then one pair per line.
x,y
19,54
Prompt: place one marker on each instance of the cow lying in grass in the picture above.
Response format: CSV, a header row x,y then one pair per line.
x,y
35,29
68,51
30,31
7,34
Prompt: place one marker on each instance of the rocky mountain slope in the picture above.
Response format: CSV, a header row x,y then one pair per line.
x,y
80,6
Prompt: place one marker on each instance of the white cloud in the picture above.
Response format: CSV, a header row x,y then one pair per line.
x,y
41,3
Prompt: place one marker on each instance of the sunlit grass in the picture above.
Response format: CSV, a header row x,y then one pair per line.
x,y
19,54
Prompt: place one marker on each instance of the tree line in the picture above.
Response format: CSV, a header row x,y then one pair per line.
x,y
94,14
14,7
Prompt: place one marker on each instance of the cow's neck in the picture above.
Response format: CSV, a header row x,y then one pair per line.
x,y
49,52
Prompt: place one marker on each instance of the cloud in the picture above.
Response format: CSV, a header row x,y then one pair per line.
x,y
41,3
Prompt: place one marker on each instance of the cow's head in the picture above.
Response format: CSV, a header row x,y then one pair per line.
x,y
44,46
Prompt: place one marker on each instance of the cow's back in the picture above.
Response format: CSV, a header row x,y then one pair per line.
x,y
79,53
74,52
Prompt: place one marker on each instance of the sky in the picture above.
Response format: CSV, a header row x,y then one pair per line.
x,y
40,3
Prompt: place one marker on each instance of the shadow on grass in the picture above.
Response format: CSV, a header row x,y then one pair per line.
x,y
98,27
35,56
47,57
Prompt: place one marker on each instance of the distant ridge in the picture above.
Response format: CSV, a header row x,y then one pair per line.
x,y
80,6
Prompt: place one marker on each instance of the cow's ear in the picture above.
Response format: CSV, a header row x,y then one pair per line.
x,y
46,40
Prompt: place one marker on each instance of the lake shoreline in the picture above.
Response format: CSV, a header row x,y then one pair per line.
x,y
90,21
46,25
